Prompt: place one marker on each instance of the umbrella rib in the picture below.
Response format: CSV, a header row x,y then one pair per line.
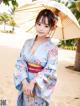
x,y
29,29
30,19
66,21
62,30
29,8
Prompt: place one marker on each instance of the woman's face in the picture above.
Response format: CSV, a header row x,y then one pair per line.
x,y
42,29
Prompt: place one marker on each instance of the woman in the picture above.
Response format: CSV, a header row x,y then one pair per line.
x,y
35,69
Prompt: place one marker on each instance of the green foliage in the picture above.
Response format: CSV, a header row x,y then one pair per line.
x,y
4,17
12,22
71,42
68,44
7,19
12,3
74,6
69,47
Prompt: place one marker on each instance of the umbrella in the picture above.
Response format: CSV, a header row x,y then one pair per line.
x,y
68,26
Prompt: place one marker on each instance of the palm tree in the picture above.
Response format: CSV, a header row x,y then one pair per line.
x,y
13,24
74,5
75,8
4,18
77,58
12,3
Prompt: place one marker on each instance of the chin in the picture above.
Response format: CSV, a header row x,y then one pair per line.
x,y
40,35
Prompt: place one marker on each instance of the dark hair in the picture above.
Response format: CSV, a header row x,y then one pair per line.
x,y
50,16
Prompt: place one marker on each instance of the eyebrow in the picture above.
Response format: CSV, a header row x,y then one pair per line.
x,y
46,24
42,22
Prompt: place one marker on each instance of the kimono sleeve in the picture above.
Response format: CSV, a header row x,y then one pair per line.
x,y
20,69
47,78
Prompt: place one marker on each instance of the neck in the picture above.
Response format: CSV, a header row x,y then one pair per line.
x,y
41,38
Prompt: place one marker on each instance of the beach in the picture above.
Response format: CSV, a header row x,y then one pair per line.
x,y
67,89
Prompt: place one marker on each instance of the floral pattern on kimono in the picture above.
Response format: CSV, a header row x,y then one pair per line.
x,y
45,55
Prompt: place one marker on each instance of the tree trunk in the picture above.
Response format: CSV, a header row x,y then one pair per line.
x,y
77,58
12,28
4,26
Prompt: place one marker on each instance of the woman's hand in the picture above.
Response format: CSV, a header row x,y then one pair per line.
x,y
26,88
32,83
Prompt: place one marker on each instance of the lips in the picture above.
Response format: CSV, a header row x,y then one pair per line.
x,y
41,32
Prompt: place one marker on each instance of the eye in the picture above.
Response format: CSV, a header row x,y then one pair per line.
x,y
46,26
39,24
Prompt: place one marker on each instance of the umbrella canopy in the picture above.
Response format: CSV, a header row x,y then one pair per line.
x,y
68,26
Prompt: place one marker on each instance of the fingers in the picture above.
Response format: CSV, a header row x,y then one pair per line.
x,y
27,89
31,85
27,92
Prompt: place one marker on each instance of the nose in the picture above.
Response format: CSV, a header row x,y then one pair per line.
x,y
41,28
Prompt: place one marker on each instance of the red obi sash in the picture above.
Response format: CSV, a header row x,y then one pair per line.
x,y
34,68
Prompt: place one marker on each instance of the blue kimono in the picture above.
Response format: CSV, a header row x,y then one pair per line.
x,y
45,55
